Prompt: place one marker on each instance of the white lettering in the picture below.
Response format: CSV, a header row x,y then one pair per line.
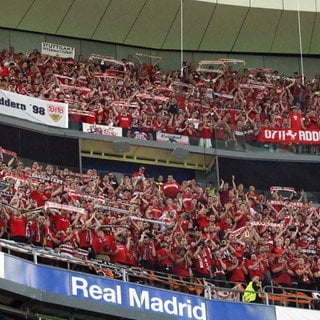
x,y
267,134
79,284
301,135
110,295
185,309
134,299
183,306
315,136
199,312
81,287
273,134
169,306
95,292
312,136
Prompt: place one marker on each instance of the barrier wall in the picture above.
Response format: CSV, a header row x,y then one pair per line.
x,y
130,300
114,297
108,298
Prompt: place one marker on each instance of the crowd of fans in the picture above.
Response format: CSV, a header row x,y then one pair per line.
x,y
228,234
224,106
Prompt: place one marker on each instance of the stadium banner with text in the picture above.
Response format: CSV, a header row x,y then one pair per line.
x,y
57,50
101,129
173,138
50,113
287,136
117,297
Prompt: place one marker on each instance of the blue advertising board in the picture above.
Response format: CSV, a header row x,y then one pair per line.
x,y
131,297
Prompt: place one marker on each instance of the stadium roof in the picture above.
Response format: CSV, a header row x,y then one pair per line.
x,y
259,26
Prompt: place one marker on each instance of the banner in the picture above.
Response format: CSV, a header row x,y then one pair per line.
x,y
214,292
8,152
288,136
50,113
173,138
100,129
57,50
278,188
54,205
46,178
287,203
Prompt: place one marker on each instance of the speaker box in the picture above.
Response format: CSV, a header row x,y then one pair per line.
x,y
120,147
180,153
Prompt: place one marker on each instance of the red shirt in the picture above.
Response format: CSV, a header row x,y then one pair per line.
x,y
131,258
85,237
202,264
124,121
186,200
37,232
162,253
119,253
99,243
40,198
145,251
4,72
238,275
243,220
256,271
62,222
182,268
205,131
295,119
17,226
170,189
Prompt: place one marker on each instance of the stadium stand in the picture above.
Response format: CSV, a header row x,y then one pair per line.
x,y
134,222
178,236
142,228
225,106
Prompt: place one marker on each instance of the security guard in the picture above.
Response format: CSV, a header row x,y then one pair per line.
x,y
252,292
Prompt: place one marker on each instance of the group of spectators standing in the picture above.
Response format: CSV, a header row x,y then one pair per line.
x,y
228,234
226,108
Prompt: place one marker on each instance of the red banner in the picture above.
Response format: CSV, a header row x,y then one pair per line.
x,y
289,136
8,152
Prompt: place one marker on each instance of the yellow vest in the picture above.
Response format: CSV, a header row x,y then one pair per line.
x,y
249,293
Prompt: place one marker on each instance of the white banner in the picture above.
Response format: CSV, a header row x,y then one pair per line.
x,y
60,206
100,129
36,110
57,50
173,138
287,313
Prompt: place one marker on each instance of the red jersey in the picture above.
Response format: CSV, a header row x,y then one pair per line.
x,y
161,253
40,198
119,253
124,121
17,226
170,189
295,119
100,244
62,222
182,268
